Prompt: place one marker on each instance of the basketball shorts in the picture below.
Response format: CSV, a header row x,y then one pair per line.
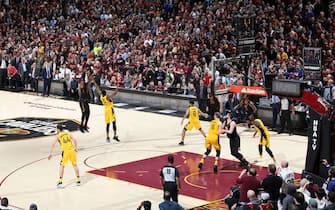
x,y
190,125
265,141
69,155
212,141
109,116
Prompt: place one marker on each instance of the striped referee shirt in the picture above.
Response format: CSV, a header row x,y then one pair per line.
x,y
169,173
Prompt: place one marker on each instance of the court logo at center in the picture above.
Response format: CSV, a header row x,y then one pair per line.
x,y
25,128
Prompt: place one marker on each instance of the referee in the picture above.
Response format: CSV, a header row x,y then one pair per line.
x,y
170,179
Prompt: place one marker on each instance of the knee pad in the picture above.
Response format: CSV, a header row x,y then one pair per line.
x,y
268,149
218,152
260,147
114,126
207,152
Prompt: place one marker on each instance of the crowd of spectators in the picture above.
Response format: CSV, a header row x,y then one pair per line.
x,y
285,28
144,45
278,190
159,45
162,46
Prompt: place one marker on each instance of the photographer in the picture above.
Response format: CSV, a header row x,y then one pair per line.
x,y
329,185
167,204
4,204
145,204
233,197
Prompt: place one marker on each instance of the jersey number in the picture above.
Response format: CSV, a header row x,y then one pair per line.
x,y
194,113
66,139
213,126
168,171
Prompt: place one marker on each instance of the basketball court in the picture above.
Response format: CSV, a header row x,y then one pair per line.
x,y
116,175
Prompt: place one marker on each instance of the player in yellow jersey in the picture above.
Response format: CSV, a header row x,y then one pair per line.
x,y
107,102
193,113
69,148
265,138
212,140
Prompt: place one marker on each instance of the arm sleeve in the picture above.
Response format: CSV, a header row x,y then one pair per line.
x,y
285,204
177,173
240,180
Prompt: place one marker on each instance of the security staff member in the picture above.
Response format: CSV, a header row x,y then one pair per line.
x,y
286,106
329,91
3,70
170,179
275,105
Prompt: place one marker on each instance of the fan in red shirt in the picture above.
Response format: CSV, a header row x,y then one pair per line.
x,y
14,76
207,78
247,181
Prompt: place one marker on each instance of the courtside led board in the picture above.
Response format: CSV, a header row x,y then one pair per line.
x,y
287,88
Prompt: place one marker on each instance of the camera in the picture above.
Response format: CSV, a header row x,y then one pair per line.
x,y
309,178
145,204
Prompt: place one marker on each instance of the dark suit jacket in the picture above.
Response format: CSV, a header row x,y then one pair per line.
x,y
204,90
35,74
6,61
21,68
15,61
44,73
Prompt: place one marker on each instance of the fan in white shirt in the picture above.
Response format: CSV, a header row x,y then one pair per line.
x,y
286,173
64,71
